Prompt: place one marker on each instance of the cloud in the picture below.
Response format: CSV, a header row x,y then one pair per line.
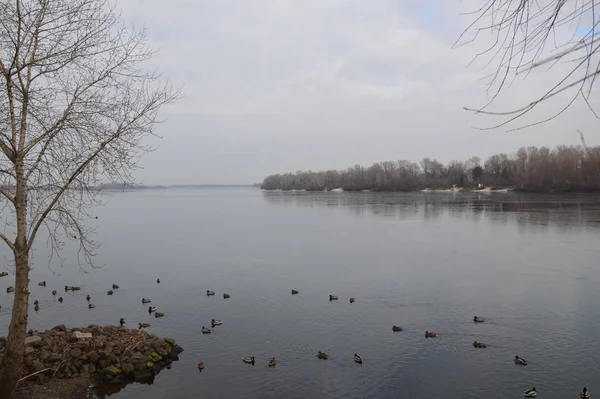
x,y
280,85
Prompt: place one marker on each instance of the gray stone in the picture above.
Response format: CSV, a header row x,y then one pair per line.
x,y
143,374
34,340
91,368
80,335
75,353
128,369
137,357
99,344
44,355
85,375
54,357
60,328
29,350
112,370
93,356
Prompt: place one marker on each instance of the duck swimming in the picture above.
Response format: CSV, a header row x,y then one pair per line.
x,y
158,282
396,328
205,330
295,292
479,344
226,296
209,293
53,292
42,283
109,292
88,297
10,289
114,287
272,362
145,300
429,334
322,355
478,319
122,321
91,306
584,394
151,309
60,299
333,297
249,360
216,322
357,359
159,314
520,361
352,300
200,366
530,393
143,325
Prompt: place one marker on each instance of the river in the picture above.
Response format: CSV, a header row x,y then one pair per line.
x,y
424,261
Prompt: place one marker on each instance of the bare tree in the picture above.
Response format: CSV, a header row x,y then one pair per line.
x,y
75,105
528,35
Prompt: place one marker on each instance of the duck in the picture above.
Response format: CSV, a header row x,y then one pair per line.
x,y
159,314
396,328
209,293
272,362
352,300
151,309
36,302
295,292
249,360
53,292
158,282
322,355
60,299
584,394
115,287
42,283
3,274
75,288
67,288
521,361
88,297
333,297
479,344
216,322
429,334
122,321
91,306
478,319
205,330
146,300
226,296
200,366
36,308
530,393
10,289
357,359
143,325
109,292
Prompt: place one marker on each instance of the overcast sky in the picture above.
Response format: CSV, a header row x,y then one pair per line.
x,y
274,86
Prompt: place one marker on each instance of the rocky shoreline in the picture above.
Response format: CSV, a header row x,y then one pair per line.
x,y
108,354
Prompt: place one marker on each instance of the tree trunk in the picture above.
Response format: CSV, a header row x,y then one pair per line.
x,y
12,361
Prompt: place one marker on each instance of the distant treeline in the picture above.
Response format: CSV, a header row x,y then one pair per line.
x,y
566,168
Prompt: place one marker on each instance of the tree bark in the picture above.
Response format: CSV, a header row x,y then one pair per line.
x,y
12,361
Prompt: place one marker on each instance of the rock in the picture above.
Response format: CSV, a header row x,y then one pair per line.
x,y
75,353
155,357
137,357
44,354
92,368
171,341
54,357
99,344
128,369
85,368
94,357
141,375
112,370
34,340
29,350
61,328
81,335
85,375
36,365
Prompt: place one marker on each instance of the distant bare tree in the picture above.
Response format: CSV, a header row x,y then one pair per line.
x,y
75,105
525,38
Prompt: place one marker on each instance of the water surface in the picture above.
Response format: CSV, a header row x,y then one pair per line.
x,y
425,261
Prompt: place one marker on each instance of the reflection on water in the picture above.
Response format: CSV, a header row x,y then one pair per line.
x,y
527,210
528,264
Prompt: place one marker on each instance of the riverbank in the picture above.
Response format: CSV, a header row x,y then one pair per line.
x,y
71,360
